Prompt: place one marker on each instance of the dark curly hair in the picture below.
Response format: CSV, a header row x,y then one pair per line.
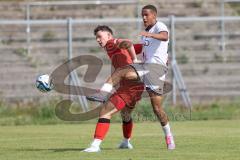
x,y
102,28
151,7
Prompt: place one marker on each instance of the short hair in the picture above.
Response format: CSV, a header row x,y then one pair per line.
x,y
151,7
102,28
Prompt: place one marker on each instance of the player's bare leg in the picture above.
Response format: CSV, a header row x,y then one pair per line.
x,y
156,102
127,125
122,73
102,126
119,74
108,110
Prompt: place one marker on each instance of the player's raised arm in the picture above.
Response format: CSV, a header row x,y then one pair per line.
x,y
162,36
128,45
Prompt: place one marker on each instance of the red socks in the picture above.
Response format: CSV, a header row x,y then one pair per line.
x,y
101,128
127,129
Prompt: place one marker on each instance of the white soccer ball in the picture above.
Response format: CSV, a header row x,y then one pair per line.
x,y
44,83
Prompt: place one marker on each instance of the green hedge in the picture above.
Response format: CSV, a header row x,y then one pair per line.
x,y
45,113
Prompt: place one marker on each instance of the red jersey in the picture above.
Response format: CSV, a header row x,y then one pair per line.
x,y
129,92
121,57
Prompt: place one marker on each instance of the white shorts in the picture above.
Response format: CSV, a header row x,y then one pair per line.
x,y
153,75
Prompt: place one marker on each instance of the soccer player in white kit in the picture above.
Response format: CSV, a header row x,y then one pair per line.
x,y
152,71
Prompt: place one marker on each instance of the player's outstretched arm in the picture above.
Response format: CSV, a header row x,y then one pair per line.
x,y
128,45
162,36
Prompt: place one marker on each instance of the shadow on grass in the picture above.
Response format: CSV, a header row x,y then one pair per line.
x,y
59,149
52,149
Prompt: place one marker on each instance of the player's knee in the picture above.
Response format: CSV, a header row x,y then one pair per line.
x,y
108,110
158,110
126,116
104,114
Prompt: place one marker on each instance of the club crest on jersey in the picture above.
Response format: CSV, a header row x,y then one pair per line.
x,y
146,42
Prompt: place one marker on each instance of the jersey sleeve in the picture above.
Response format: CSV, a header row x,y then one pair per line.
x,y
161,27
138,48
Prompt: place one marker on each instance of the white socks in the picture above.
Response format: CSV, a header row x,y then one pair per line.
x,y
167,130
107,87
96,142
125,140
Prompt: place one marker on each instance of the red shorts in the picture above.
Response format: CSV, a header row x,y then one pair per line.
x,y
127,96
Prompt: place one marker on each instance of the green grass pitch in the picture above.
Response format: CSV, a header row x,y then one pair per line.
x,y
195,140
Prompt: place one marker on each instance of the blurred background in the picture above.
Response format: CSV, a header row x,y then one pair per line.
x,y
38,36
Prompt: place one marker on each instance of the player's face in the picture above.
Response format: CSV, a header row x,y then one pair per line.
x,y
149,17
102,37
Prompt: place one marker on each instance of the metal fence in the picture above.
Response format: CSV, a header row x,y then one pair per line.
x,y
174,21
29,6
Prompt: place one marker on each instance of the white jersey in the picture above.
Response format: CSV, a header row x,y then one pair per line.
x,y
155,51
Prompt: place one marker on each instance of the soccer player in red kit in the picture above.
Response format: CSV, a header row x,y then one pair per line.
x,y
122,53
152,71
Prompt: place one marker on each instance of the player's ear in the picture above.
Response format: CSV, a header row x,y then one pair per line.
x,y
109,35
155,14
